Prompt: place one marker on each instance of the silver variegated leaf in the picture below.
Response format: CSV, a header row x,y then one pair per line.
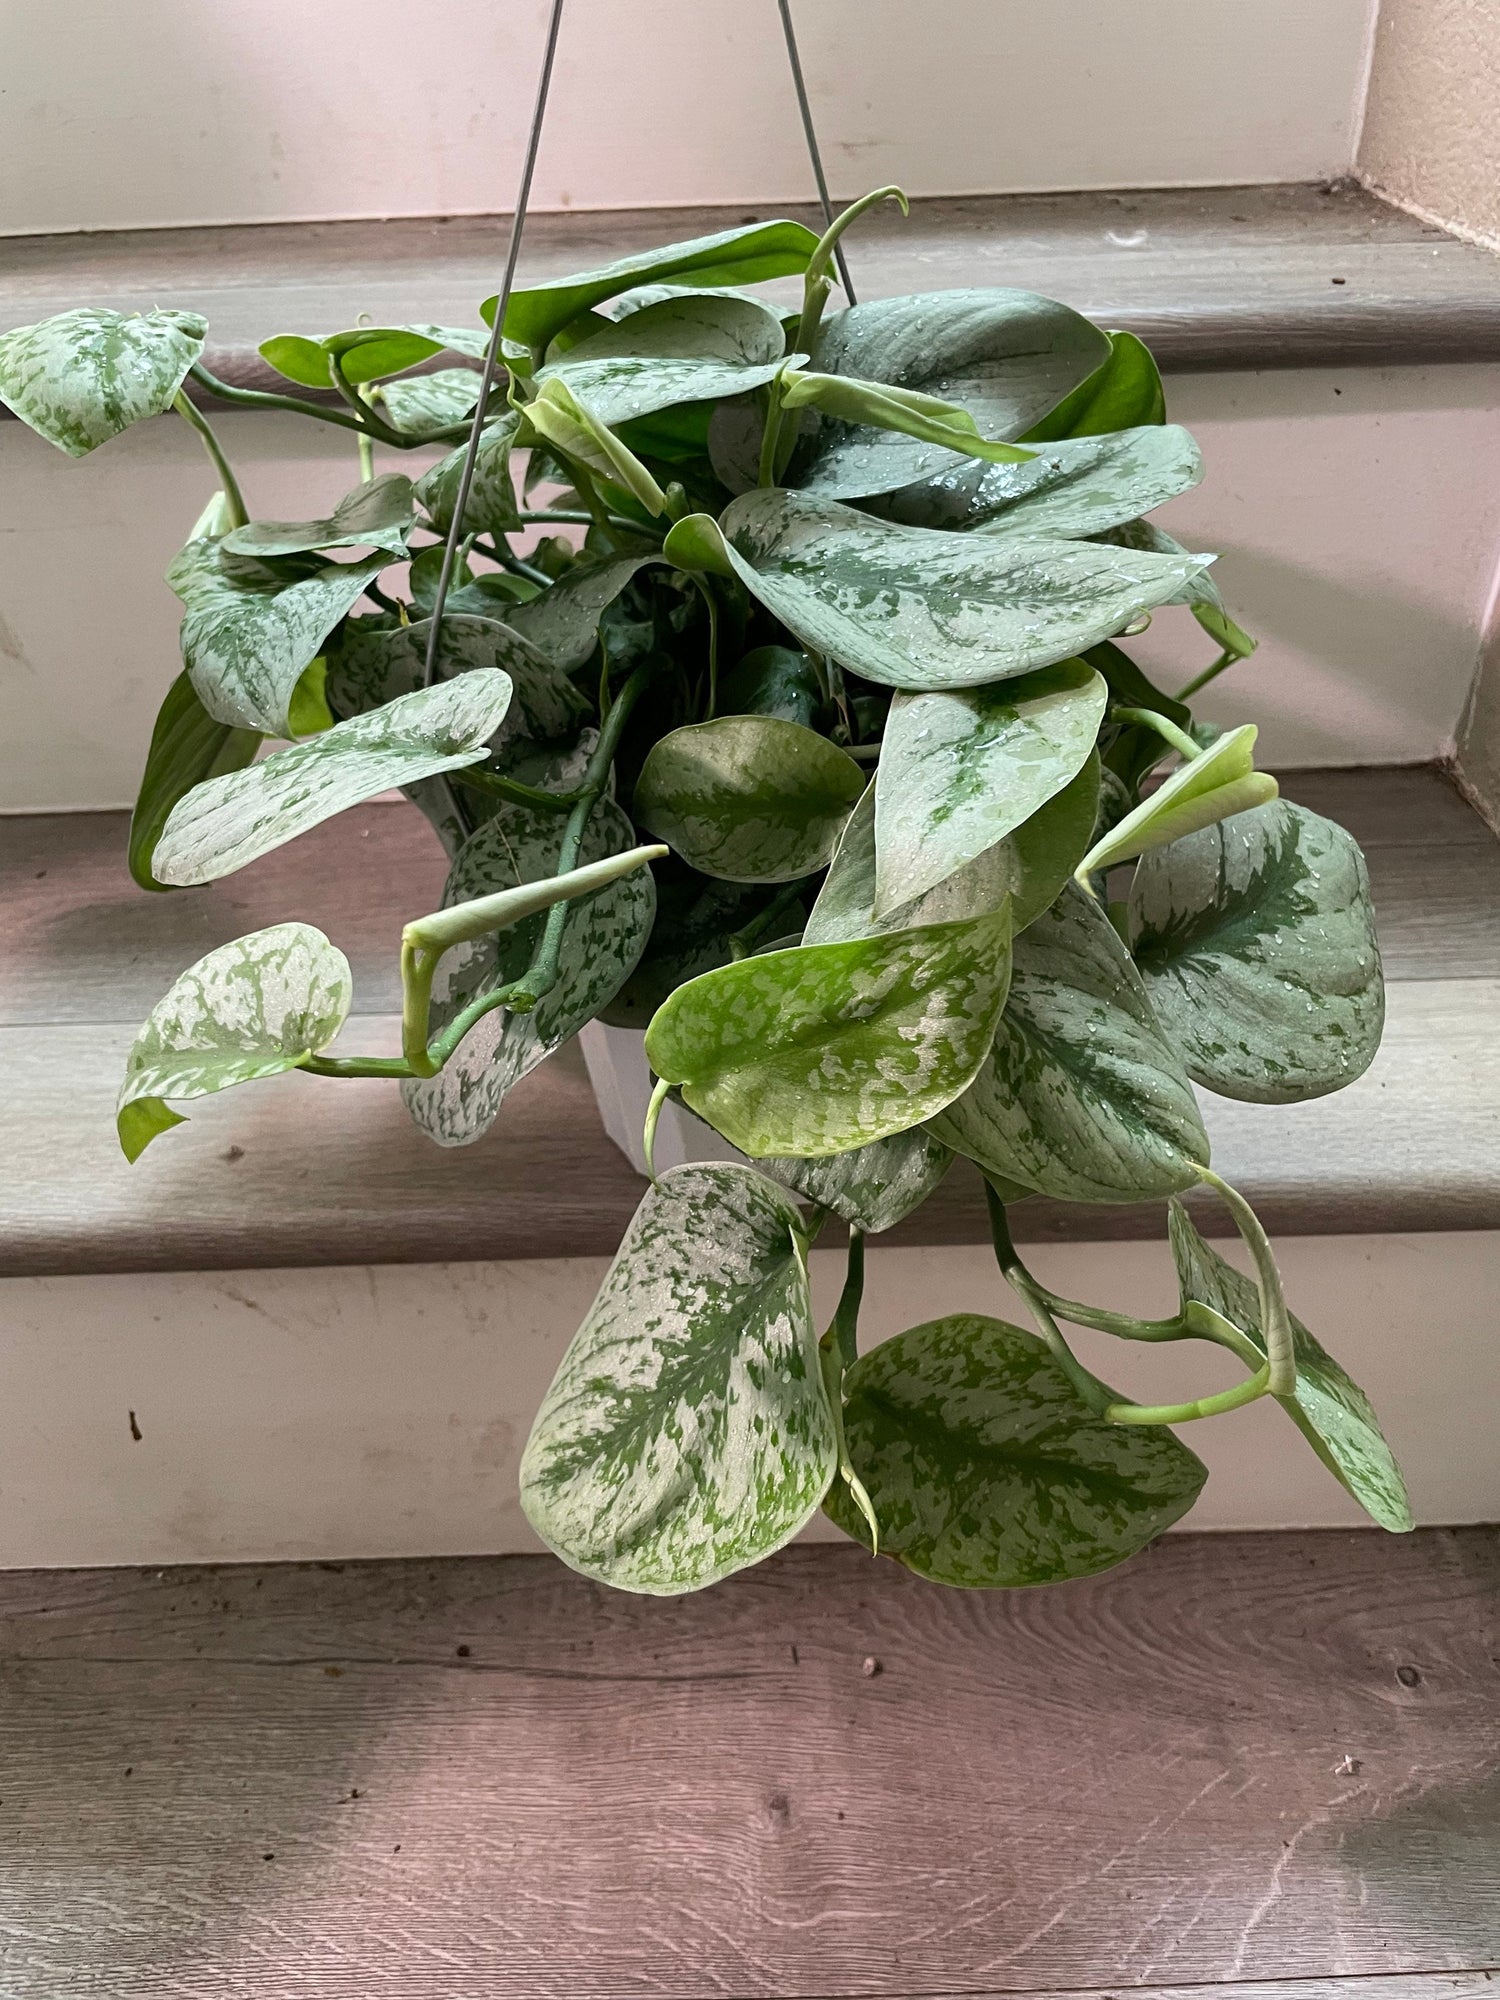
x,y
251,1008
687,1432
374,660
231,820
873,1187
693,348
82,377
1331,1410
986,1470
420,404
961,769
604,936
1082,1096
1257,943
491,507
377,515
563,621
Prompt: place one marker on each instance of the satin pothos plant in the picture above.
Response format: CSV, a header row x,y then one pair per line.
x,y
816,748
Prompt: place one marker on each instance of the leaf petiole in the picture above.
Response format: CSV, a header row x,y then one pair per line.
x,y
234,499
1167,730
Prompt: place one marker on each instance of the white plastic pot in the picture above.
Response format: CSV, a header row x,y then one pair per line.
x,y
621,1077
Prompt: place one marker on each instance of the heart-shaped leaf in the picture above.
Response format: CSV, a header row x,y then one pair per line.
x,y
563,622
364,353
187,748
1257,943
252,1008
960,770
232,820
825,1048
684,349
82,377
915,608
1218,782
491,507
984,1468
1332,1412
745,256
603,937
421,404
374,516
748,798
873,1187
374,660
1123,392
1065,491
687,1432
1005,356
1082,1096
1029,866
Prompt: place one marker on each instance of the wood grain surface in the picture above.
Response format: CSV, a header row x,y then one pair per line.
x,y
1237,1759
1212,277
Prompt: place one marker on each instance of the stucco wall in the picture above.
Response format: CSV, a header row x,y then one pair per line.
x,y
1431,137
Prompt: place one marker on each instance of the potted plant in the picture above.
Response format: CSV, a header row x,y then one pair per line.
x,y
820,761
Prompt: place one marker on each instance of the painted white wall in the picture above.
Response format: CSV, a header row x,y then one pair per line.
x,y
163,112
381,1412
1357,513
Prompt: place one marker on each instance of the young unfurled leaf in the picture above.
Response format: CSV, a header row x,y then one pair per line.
x,y
421,404
1331,1411
987,1471
563,622
491,508
1220,781
1123,392
1067,490
603,937
1082,1096
251,629
687,1432
1257,943
745,256
82,377
960,770
373,661
374,516
683,349
187,748
252,1008
748,798
1004,356
1029,866
873,1187
559,417
822,1049
883,406
229,821
914,608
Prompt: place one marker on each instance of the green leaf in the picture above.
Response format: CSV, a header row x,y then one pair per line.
x,y
1029,866
299,359
772,680
187,748
685,349
373,660
1082,1097
873,1187
252,1008
1067,490
491,508
374,516
882,406
959,771
1004,356
365,353
748,798
745,256
687,1432
1218,782
232,820
824,1048
603,937
82,377
563,622
1257,943
1331,1411
695,919
986,1470
913,608
1123,392
250,629
558,417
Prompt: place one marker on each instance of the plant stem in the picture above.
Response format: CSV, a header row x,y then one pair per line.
x,y
575,517
371,423
583,481
1248,1391
1211,673
1275,1323
743,941
418,964
366,460
497,785
1166,730
659,1094
1090,1389
706,591
265,399
227,480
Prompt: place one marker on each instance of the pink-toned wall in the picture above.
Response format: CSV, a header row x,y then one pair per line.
x,y
1431,139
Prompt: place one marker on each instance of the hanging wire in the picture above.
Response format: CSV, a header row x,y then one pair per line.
x,y
492,353
800,85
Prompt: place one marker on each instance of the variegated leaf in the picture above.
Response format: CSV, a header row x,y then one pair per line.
x,y
687,1432
748,798
187,747
960,770
251,1008
873,1187
563,622
1257,943
820,1049
1082,1096
82,377
692,348
987,1471
374,660
231,820
420,404
491,508
1123,393
604,936
1330,1409
377,515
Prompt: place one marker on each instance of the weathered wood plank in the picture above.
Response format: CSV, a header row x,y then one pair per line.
x,y
1211,277
1240,1758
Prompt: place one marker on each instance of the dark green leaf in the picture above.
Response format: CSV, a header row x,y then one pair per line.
x,y
187,748
563,622
772,680
1123,392
695,919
